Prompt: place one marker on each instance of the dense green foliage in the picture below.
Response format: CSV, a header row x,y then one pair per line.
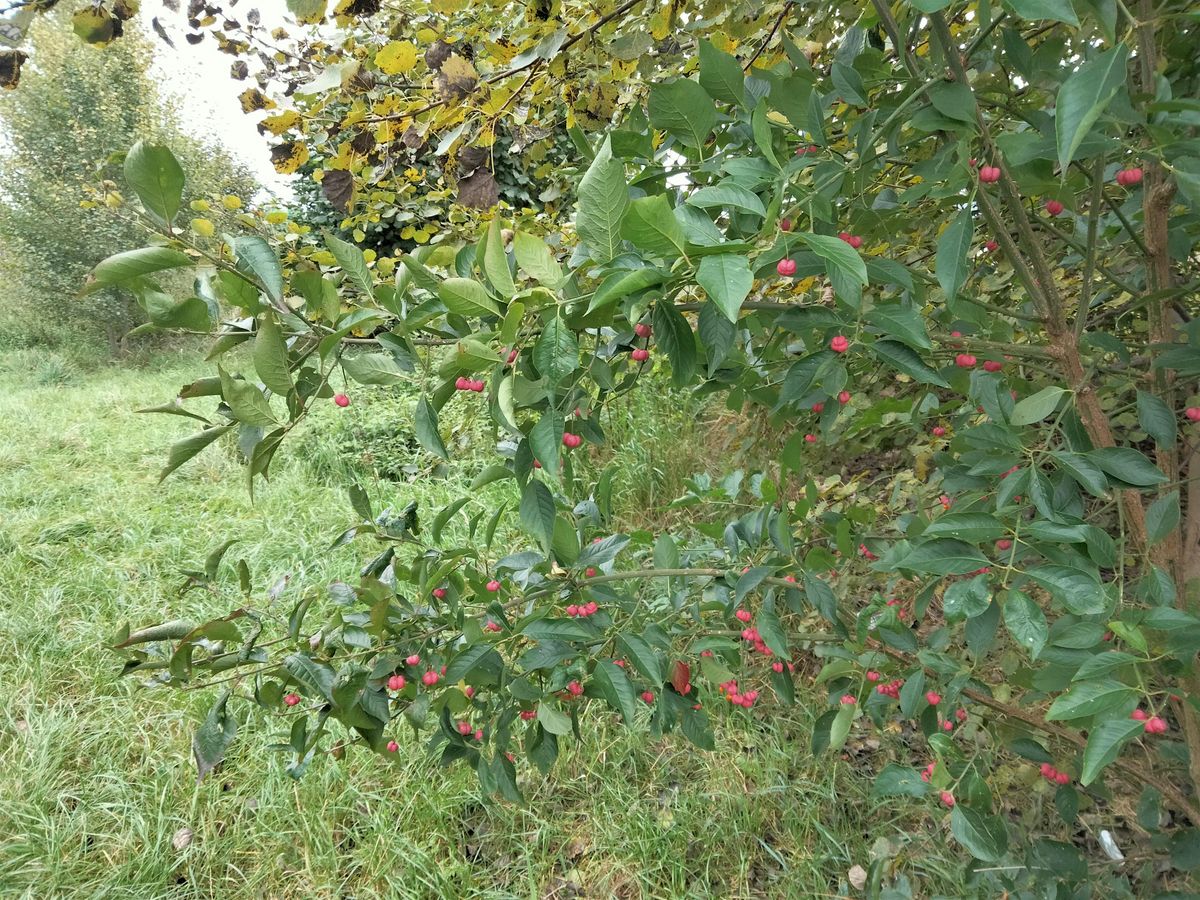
x,y
943,251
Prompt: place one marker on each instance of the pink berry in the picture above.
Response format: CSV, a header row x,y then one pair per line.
x,y
528,714
478,734
512,355
1047,770
392,746
992,365
839,344
991,247
961,715
810,438
743,615
844,397
592,607
574,688
873,676
439,593
1054,208
1155,725
989,174
647,697
396,683
493,586
413,660
642,330
572,610
491,626
589,572
956,334
785,225
818,407
478,386
464,727
291,699
469,692
964,361
947,799
1129,177
1140,714
786,267
460,383
848,699
638,355
571,441
1004,544
430,678
933,698
938,431
777,667
1192,413
341,400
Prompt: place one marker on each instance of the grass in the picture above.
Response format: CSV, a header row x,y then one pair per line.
x,y
96,780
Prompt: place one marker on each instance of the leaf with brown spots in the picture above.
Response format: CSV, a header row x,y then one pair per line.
x,y
338,188
478,190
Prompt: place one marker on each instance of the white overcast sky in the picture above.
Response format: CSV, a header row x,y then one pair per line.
x,y
198,76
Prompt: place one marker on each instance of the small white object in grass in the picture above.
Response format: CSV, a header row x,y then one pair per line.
x,y
858,877
182,838
1109,846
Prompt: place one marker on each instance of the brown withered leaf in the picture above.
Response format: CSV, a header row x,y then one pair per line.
x,y
253,99
457,78
478,190
338,188
10,68
357,7
161,32
471,158
438,52
413,139
239,70
287,158
363,143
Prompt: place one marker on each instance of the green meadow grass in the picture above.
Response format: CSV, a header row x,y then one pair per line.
x,y
96,777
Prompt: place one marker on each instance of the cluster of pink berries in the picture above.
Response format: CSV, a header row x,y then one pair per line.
x,y
1129,177
575,689
891,689
571,441
989,174
927,772
582,610
465,729
1153,724
810,148
491,625
396,683
1054,776
730,691
468,384
528,715
852,239
839,344
848,700
778,667
965,361
865,552
430,678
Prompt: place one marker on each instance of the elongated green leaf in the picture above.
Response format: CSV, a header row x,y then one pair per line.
x,y
1156,419
727,280
537,260
212,739
1037,407
972,527
247,402
353,263
425,424
1026,622
556,353
157,178
538,511
603,201
721,75
647,660
256,258
1104,745
983,835
1054,10
1079,591
123,267
904,359
839,728
901,322
616,689
674,335
271,356
372,368
1089,476
727,194
1084,96
682,108
838,255
1090,698
951,263
1128,465
1162,516
467,297
943,557
495,262
184,450
553,719
545,440
650,225
623,284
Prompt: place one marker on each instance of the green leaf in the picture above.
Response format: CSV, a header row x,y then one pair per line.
x,y
1088,475
616,689
1026,622
952,264
682,108
425,424
1104,745
1091,698
1084,96
1156,419
839,729
719,196
182,451
647,660
353,263
556,353
256,258
967,599
983,835
479,660
372,368
249,405
904,359
1128,465
973,527
212,739
467,297
538,511
537,259
157,178
954,100
623,284
1054,10
316,678
553,719
772,632
123,267
495,262
545,440
1036,407
650,225
899,781
1162,517
901,322
603,201
721,75
727,280
761,127
838,255
943,557
674,335
271,357
1079,591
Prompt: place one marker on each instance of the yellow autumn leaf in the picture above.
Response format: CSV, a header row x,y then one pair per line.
x,y
277,217
199,205
278,124
359,235
229,201
203,227
427,36
288,158
396,58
